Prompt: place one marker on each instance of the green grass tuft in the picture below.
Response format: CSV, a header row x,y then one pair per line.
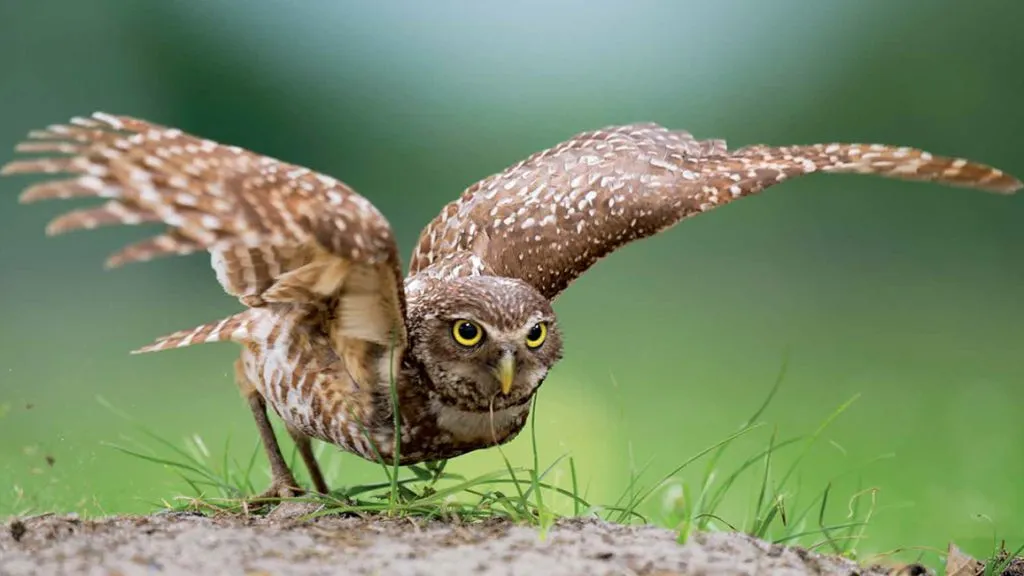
x,y
222,484
1000,559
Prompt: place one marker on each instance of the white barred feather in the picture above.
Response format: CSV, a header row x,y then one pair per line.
x,y
234,328
276,232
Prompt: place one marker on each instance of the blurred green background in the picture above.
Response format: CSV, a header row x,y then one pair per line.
x,y
904,293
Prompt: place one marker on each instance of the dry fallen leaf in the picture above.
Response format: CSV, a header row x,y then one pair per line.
x,y
960,564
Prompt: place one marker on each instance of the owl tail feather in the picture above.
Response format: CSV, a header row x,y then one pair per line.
x,y
233,328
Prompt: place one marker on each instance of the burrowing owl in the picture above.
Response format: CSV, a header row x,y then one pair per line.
x,y
331,328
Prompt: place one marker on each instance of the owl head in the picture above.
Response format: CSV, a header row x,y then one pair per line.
x,y
486,342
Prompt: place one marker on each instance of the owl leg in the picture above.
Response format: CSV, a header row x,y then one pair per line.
x,y
305,446
282,483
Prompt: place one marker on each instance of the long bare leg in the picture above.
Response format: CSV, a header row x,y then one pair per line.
x,y
282,483
305,446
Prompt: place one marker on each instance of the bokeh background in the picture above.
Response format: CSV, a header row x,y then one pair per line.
x,y
906,294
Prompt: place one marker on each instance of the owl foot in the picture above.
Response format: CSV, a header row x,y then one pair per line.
x,y
280,488
275,496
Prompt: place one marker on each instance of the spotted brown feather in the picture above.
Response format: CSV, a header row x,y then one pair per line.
x,y
547,219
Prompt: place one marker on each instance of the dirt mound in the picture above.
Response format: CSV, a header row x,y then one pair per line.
x,y
177,543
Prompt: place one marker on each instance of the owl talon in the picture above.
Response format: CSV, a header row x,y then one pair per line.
x,y
280,489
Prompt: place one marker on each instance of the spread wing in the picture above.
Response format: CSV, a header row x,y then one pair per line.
x,y
547,219
281,237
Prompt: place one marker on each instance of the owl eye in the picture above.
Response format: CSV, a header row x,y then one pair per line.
x,y
535,337
467,333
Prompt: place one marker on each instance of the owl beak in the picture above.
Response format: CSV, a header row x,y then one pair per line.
x,y
506,372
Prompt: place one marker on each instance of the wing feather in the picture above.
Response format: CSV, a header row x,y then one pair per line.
x,y
548,218
277,233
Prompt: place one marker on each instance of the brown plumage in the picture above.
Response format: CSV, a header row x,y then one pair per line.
x,y
469,335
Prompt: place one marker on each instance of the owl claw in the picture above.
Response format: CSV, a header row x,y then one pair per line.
x,y
280,489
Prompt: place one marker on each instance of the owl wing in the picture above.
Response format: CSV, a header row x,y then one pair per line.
x,y
550,217
279,235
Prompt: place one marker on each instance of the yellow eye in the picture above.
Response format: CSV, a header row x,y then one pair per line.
x,y
535,337
467,333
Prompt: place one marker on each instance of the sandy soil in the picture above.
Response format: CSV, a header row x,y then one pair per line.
x,y
178,543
